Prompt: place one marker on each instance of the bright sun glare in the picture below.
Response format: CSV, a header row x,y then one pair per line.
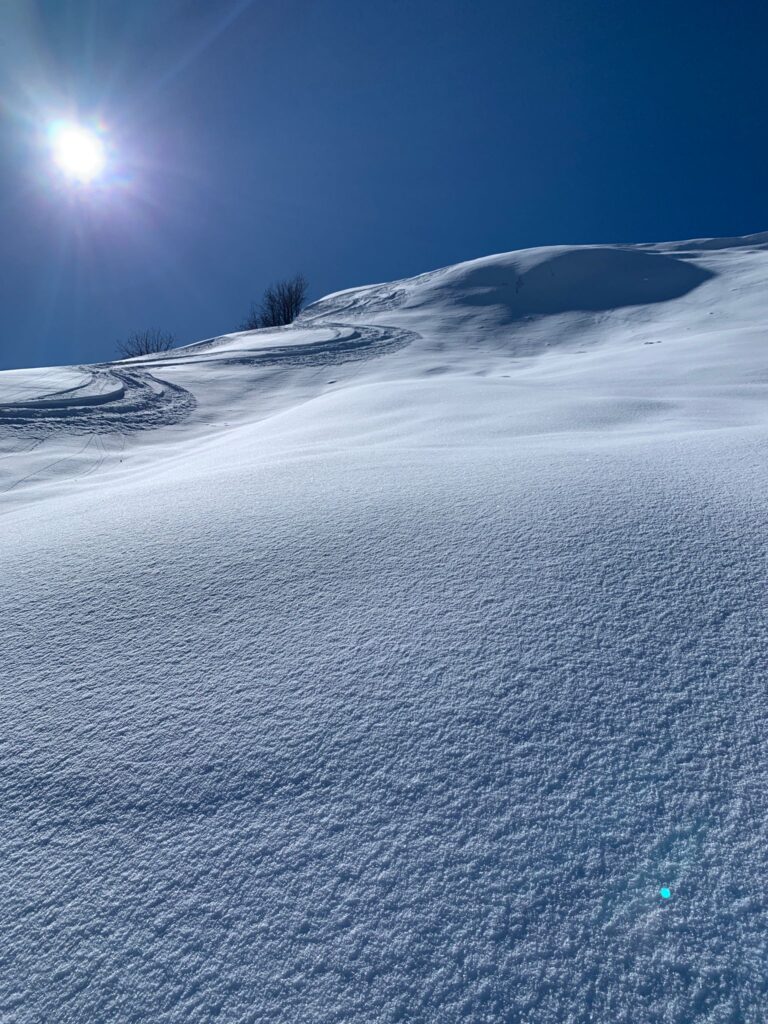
x,y
78,152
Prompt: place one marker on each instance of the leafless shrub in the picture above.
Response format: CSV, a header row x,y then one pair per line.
x,y
145,343
253,321
280,305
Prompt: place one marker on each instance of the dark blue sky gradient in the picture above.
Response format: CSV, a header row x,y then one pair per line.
x,y
357,142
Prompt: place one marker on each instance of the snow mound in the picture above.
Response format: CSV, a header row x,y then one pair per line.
x,y
567,280
534,282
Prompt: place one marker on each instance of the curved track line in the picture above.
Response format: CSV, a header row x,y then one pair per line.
x,y
350,343
119,398
127,400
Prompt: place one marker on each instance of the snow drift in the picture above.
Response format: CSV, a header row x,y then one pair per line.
x,y
386,667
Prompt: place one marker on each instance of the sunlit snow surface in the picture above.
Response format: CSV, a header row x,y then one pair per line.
x,y
391,667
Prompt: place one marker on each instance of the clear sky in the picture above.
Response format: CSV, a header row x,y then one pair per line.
x,y
356,142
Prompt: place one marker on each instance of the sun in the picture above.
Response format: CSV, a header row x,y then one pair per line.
x,y
77,151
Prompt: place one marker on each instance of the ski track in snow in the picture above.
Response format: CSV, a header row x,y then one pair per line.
x,y
127,400
118,399
397,696
135,399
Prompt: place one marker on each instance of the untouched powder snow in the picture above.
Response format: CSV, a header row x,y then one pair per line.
x,y
406,664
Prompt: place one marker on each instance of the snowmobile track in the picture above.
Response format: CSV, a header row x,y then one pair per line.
x,y
114,399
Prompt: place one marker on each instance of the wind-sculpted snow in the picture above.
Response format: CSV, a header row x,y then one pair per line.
x,y
395,684
534,282
574,280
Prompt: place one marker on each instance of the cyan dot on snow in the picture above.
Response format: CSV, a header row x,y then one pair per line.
x,y
664,892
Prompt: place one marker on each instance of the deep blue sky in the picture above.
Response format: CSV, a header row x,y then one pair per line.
x,y
358,142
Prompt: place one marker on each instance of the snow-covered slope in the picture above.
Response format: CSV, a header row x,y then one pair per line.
x,y
386,667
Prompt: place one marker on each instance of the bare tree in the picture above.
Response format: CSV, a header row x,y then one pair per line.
x,y
253,321
145,343
280,305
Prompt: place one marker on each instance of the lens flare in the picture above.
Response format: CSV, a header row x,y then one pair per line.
x,y
77,151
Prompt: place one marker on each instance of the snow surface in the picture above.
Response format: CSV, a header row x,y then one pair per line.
x,y
386,667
